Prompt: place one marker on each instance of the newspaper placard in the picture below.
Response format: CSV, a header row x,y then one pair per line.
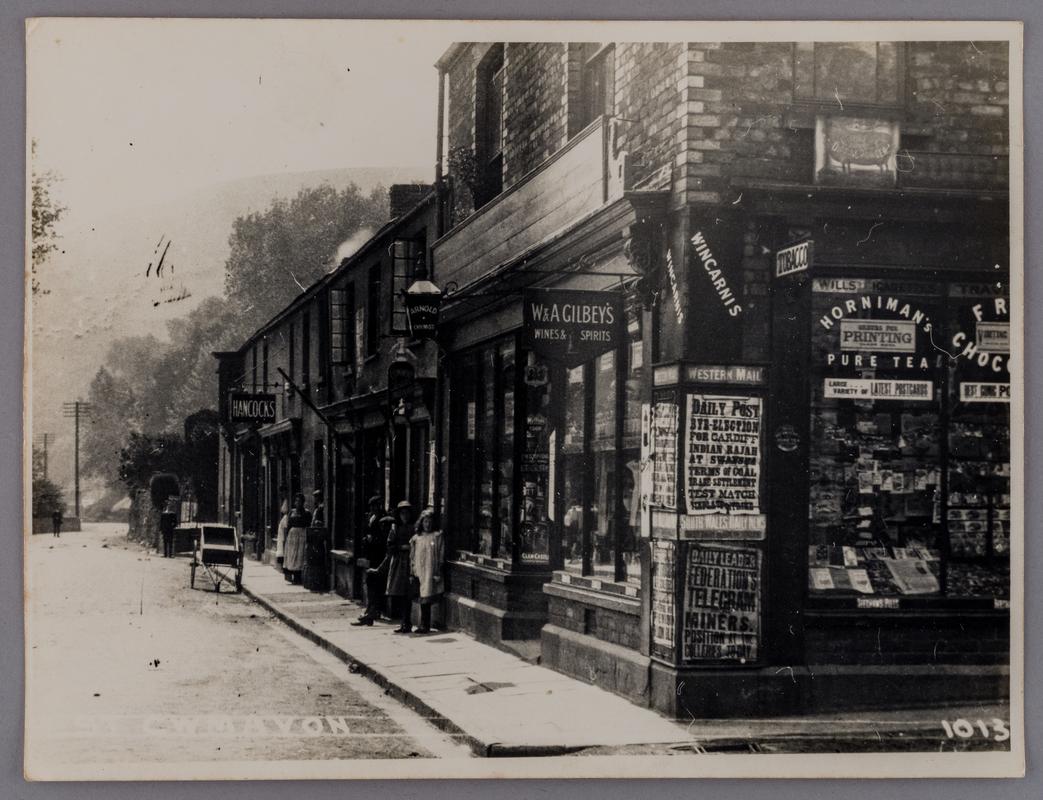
x,y
663,615
723,454
665,417
722,604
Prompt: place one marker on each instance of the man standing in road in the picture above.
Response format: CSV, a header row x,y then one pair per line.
x,y
167,523
56,521
374,548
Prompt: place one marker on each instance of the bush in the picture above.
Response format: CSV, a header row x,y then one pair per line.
x,y
47,497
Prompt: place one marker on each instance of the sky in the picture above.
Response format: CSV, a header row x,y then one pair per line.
x,y
148,125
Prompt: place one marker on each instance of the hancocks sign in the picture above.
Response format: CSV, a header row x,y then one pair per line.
x,y
247,407
571,326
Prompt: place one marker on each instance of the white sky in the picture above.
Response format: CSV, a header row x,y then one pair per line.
x,y
131,112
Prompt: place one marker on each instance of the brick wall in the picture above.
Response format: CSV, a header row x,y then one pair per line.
x,y
648,94
915,640
607,625
534,107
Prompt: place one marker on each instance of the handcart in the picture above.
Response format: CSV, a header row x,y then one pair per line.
x,y
219,553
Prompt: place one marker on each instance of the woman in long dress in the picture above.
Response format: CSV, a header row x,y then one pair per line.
x,y
293,554
283,529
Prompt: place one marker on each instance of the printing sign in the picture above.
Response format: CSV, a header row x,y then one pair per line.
x,y
993,337
722,601
571,326
877,335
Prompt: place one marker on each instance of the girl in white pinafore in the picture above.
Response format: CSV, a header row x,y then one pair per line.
x,y
426,550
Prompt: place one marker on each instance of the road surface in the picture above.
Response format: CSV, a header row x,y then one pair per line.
x,y
128,664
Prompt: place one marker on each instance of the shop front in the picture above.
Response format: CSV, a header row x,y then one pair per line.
x,y
830,524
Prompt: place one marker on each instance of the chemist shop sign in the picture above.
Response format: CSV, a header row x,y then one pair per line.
x,y
571,326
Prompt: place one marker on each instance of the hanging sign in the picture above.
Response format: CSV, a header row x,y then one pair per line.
x,y
723,454
247,407
571,326
795,258
721,604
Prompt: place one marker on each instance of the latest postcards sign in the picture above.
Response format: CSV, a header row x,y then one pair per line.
x,y
569,325
872,389
251,407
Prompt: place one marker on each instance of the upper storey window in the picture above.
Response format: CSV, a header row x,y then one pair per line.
x,y
488,116
859,73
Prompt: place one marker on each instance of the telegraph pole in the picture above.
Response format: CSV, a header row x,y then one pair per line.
x,y
76,409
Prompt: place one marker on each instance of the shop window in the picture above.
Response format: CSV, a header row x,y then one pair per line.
x,y
536,512
487,455
489,126
859,73
600,535
373,311
408,256
463,452
909,459
503,541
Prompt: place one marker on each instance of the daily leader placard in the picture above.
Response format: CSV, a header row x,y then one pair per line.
x,y
722,602
723,454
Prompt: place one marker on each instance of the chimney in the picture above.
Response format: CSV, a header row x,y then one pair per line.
x,y
405,196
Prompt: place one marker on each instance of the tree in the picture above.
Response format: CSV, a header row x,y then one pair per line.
x,y
144,456
47,497
45,214
277,253
105,433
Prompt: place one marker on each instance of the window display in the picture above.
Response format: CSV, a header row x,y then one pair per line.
x,y
909,483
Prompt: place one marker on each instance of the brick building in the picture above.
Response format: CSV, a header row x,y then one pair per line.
x,y
784,483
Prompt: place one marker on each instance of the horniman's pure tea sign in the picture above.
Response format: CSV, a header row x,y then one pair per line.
x,y
721,604
245,407
569,325
723,454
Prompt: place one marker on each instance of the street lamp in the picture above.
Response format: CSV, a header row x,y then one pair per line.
x,y
423,301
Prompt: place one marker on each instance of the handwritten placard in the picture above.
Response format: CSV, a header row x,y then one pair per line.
x,y
664,600
723,454
665,418
722,601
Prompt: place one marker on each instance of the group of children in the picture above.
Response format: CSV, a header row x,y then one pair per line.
x,y
402,558
403,562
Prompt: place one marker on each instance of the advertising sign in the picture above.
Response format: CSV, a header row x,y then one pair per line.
x,y
889,336
722,602
723,454
663,618
795,258
665,419
247,407
571,326
871,389
984,392
856,151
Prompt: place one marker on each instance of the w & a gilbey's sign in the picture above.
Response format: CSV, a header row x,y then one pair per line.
x,y
571,326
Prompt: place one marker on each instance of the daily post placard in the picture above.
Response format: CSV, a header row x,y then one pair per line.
x,y
723,454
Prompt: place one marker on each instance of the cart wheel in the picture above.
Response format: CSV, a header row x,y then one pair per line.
x,y
192,574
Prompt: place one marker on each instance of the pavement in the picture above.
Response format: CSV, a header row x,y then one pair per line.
x,y
502,705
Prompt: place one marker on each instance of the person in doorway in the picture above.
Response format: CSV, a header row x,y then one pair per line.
x,y
426,550
374,549
318,514
280,536
396,563
56,522
167,523
296,537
